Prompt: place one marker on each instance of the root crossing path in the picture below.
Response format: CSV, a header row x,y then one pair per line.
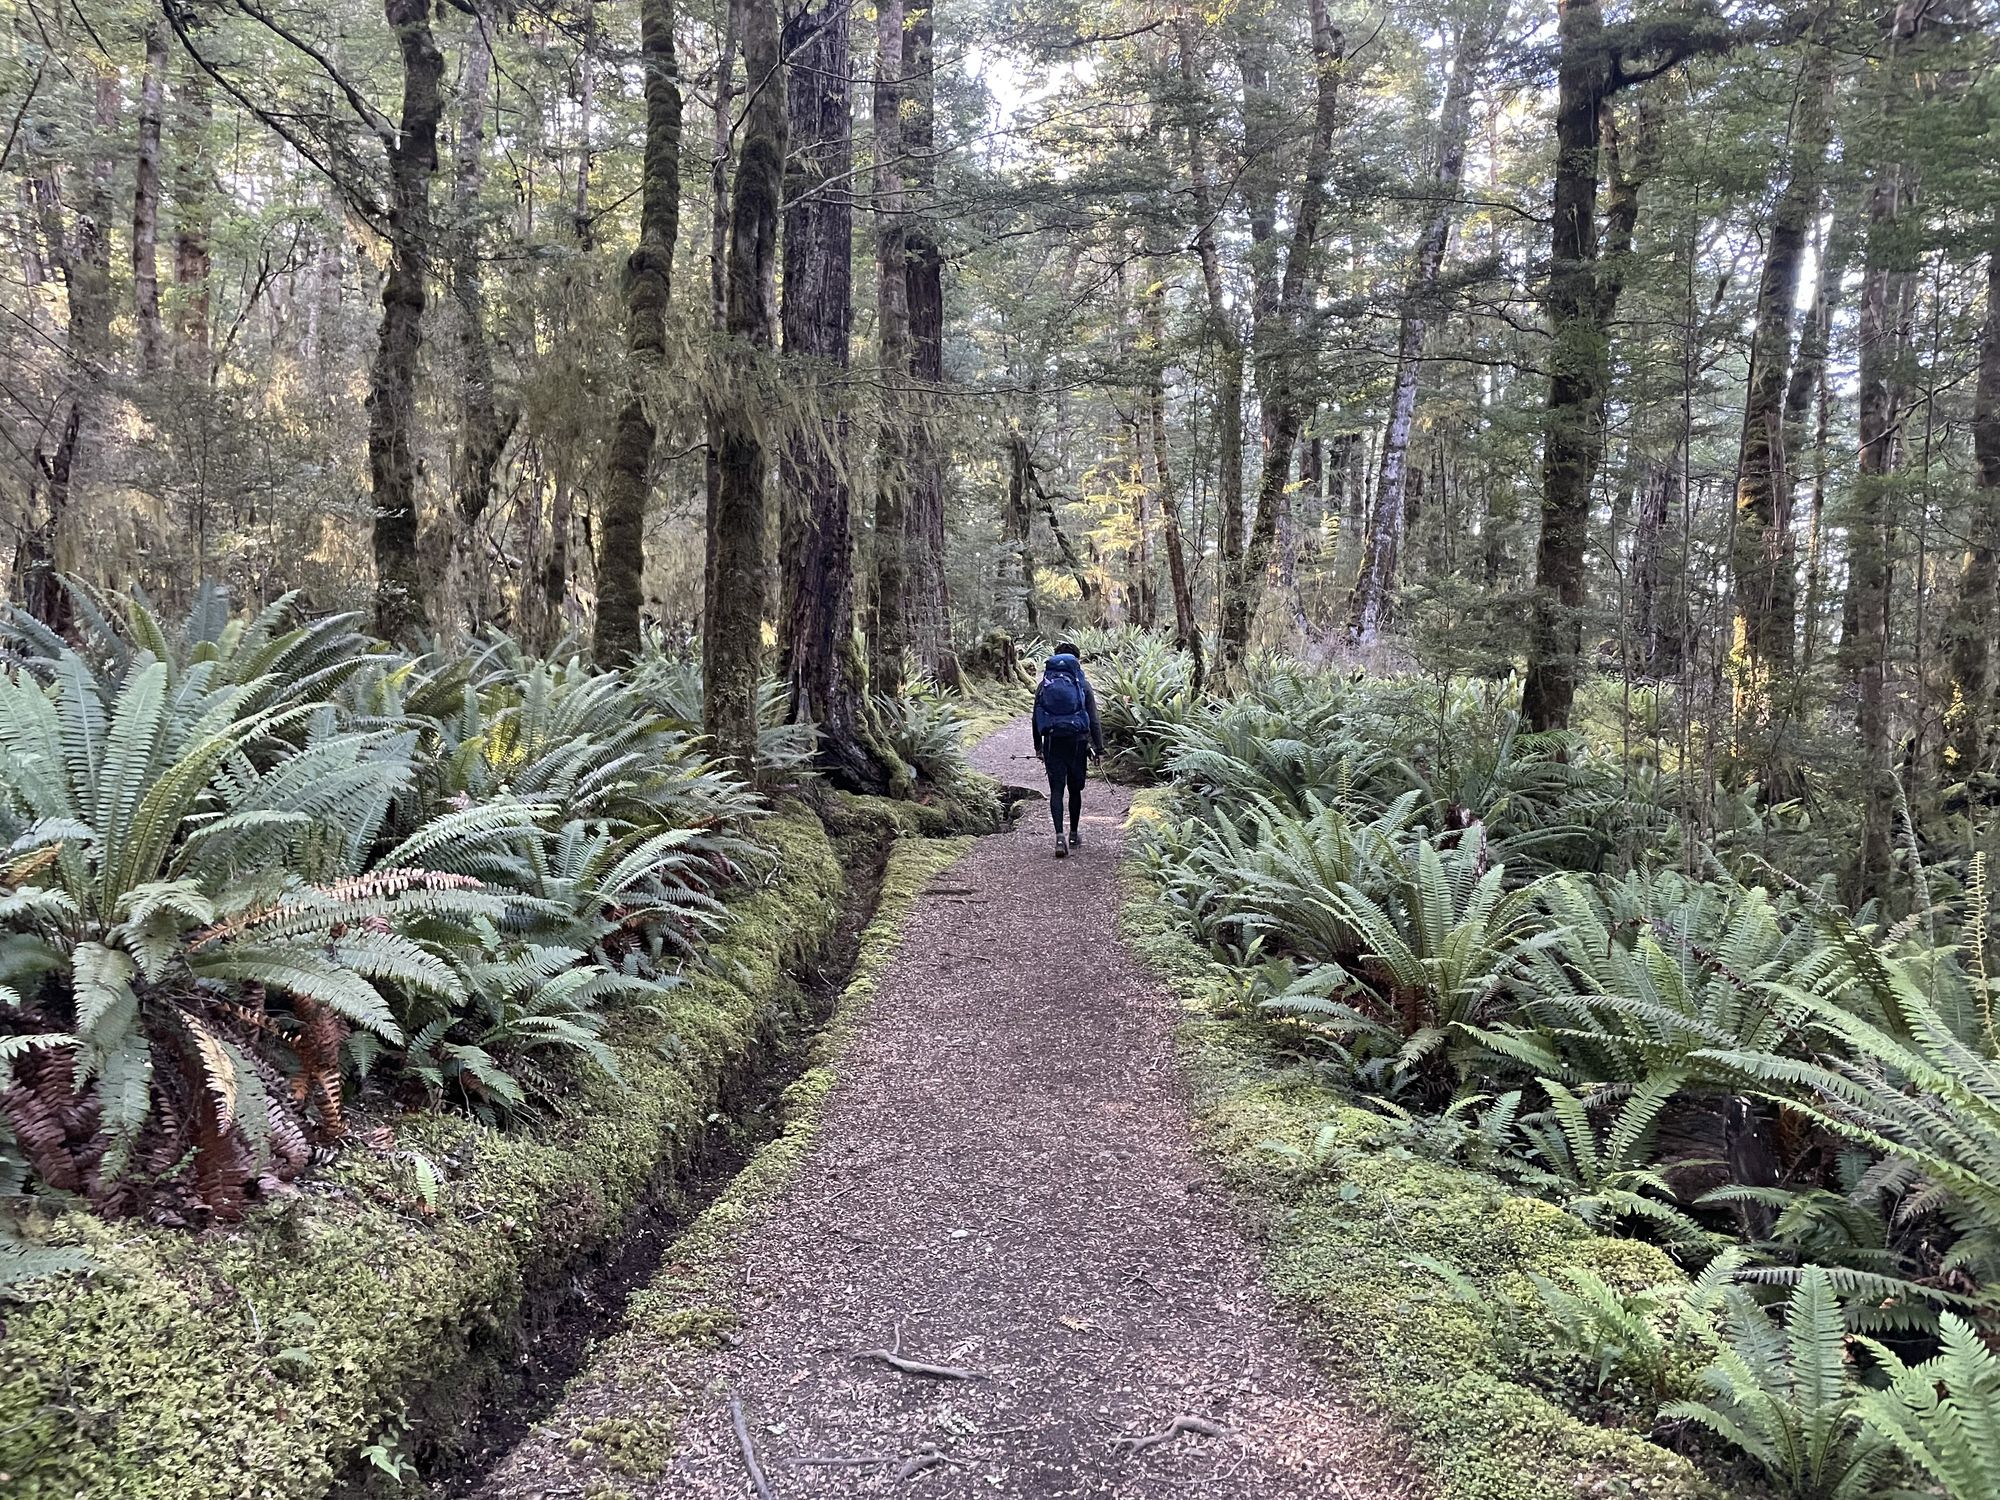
x,y
1002,1269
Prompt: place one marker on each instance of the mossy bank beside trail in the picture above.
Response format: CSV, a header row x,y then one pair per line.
x,y
331,1342
1399,1264
616,1424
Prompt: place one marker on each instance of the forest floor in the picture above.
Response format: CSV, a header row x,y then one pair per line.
x,y
1004,1182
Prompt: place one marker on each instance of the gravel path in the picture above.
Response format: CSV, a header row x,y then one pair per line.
x,y
1005,1174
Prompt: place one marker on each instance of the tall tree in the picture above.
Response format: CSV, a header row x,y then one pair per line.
x,y
392,381
1886,283
824,668
1595,63
889,572
1374,588
1977,609
146,198
486,427
1763,553
929,611
1187,628
621,556
733,632
1284,362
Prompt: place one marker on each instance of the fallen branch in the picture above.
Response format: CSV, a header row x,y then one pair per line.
x,y
763,1485
1167,1434
894,1359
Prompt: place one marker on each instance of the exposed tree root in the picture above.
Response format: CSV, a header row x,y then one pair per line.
x,y
763,1485
1173,1429
893,1358
917,1463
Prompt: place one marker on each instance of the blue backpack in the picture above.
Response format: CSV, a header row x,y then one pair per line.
x,y
1059,702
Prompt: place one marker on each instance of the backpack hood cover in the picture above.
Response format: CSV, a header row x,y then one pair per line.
x,y
1062,661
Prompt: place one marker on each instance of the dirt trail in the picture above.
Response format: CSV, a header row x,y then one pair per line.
x,y
1005,1174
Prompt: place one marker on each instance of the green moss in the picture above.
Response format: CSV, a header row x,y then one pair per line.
x,y
257,1361
688,1308
1351,1217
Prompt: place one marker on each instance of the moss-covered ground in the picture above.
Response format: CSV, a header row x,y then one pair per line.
x,y
340,1327
1357,1229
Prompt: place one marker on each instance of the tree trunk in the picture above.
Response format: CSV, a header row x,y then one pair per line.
x,y
824,669
392,381
146,200
47,547
193,169
1285,362
1016,526
1807,398
929,609
1971,712
621,557
733,640
1656,573
1187,629
1763,557
1885,286
889,573
1374,590
1223,326
486,429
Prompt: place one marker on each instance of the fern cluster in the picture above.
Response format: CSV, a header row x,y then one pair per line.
x,y
1501,940
253,864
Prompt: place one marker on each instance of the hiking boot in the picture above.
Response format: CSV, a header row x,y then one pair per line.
x,y
1075,839
1061,848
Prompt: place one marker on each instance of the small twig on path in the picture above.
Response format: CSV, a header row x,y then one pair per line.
x,y
742,1427
865,1461
893,1358
1167,1434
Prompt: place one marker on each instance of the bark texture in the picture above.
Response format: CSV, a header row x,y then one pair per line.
x,y
1374,590
621,557
889,574
824,669
146,200
486,427
1285,364
392,395
1763,557
733,640
1970,715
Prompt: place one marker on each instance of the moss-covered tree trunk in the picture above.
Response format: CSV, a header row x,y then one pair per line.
x,y
400,604
1763,556
621,550
400,593
1886,285
889,636
733,636
929,610
486,427
1971,710
824,668
146,200
1016,526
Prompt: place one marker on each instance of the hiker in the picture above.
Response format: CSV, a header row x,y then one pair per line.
x,y
1066,731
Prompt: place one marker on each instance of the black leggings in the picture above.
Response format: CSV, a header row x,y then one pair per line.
x,y
1068,762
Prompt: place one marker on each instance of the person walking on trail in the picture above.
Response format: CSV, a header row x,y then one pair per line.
x,y
1066,730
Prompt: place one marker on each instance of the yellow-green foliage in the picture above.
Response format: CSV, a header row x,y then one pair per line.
x,y
1348,1209
688,1307
256,1362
